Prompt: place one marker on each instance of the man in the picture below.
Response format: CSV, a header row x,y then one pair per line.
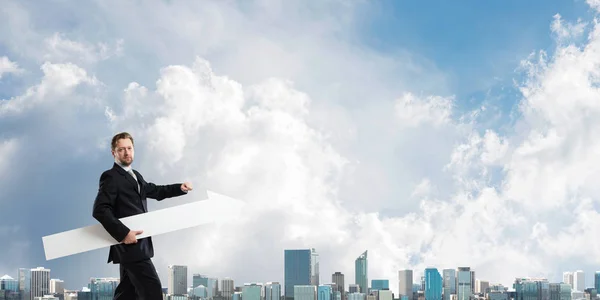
x,y
122,193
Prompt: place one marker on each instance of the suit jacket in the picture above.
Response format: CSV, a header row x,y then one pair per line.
x,y
118,197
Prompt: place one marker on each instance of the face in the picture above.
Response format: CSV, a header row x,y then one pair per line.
x,y
124,152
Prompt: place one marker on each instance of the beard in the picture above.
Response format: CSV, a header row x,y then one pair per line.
x,y
126,161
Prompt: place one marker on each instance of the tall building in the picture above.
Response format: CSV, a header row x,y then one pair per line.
x,y
405,283
273,291
481,286
472,282
597,281
300,269
199,279
252,291
210,283
579,281
24,283
324,292
8,283
361,274
40,282
338,279
433,284
102,288
228,288
177,280
568,278
449,284
314,268
305,292
531,288
57,286
380,284
464,290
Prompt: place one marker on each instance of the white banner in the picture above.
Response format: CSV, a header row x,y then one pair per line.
x,y
218,208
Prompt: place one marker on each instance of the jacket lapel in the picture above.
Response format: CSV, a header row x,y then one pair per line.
x,y
129,178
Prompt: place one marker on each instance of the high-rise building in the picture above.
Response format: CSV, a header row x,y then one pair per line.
x,y
210,283
464,290
8,283
579,281
102,288
228,288
338,279
25,283
361,274
568,278
597,281
449,283
532,288
252,291
324,292
314,268
300,269
177,280
40,282
481,286
273,291
405,284
433,284
305,292
380,284
57,286
472,282
199,279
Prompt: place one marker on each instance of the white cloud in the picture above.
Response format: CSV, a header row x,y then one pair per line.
x,y
415,111
61,49
9,67
567,31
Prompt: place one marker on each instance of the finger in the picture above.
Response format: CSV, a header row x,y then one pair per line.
x,y
139,232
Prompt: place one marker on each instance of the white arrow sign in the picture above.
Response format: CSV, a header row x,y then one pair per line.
x,y
218,208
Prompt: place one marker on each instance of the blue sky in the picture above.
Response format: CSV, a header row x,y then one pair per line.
x,y
350,110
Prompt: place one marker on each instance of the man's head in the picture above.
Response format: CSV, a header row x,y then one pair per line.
x,y
122,148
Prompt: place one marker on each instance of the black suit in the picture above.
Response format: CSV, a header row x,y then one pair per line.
x,y
118,197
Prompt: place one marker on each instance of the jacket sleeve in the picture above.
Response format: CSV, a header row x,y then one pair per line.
x,y
104,206
160,192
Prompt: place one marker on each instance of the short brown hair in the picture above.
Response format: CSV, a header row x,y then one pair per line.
x,y
118,136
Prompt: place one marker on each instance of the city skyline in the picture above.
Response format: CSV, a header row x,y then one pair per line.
x,y
181,272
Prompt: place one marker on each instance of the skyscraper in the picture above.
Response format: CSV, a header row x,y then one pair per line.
x,y
405,284
24,283
597,281
338,279
273,291
177,280
433,284
449,284
227,288
361,273
463,283
300,268
568,279
578,281
40,282
314,270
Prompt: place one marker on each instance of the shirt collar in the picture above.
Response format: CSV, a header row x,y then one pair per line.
x,y
126,168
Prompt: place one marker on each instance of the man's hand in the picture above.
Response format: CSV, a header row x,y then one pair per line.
x,y
131,237
186,187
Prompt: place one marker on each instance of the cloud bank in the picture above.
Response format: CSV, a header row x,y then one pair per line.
x,y
335,146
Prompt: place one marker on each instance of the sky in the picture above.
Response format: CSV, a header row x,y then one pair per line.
x,y
429,133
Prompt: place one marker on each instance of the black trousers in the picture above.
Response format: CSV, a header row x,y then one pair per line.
x,y
139,280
